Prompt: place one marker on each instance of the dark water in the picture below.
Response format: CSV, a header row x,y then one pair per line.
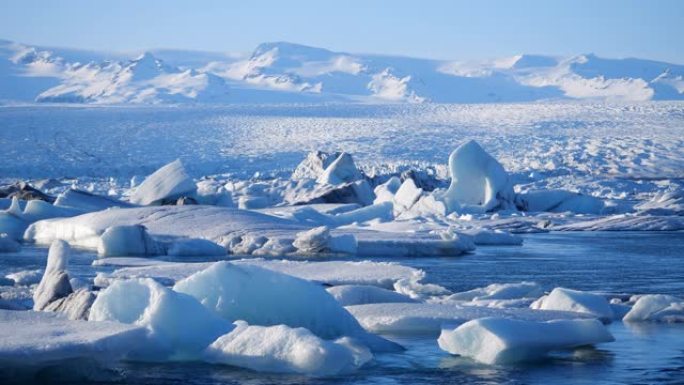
x,y
610,262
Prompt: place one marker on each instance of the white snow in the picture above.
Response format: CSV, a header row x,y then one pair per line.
x,y
46,338
576,301
478,181
656,308
180,327
282,349
315,240
506,341
169,182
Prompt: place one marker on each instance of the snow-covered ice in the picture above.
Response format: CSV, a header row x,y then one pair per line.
x,y
348,295
263,297
577,301
180,327
168,183
657,308
507,341
283,349
29,338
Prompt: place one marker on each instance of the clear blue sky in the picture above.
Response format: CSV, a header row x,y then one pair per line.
x,y
438,29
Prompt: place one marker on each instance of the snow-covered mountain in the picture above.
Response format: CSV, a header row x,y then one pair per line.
x,y
285,72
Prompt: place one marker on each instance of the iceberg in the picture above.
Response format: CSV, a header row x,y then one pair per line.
x,y
348,295
657,308
180,327
127,241
577,301
500,291
507,341
264,297
168,183
239,231
341,170
87,202
55,282
478,182
282,349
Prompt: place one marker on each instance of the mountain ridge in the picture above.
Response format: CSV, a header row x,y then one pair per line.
x,y
281,72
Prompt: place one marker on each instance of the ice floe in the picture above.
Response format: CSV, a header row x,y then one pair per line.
x,y
282,349
168,183
50,337
657,308
429,318
577,301
507,341
263,297
180,327
348,295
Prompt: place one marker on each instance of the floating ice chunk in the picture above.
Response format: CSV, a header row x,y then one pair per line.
x,y
12,222
406,196
385,192
282,349
559,201
319,240
179,324
7,244
195,247
209,192
478,181
658,308
417,290
264,297
168,183
379,211
312,241
55,282
429,318
577,301
30,338
501,291
86,202
314,165
348,295
341,170
26,277
505,341
121,241
36,210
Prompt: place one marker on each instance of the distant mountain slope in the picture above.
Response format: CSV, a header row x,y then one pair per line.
x,y
285,72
